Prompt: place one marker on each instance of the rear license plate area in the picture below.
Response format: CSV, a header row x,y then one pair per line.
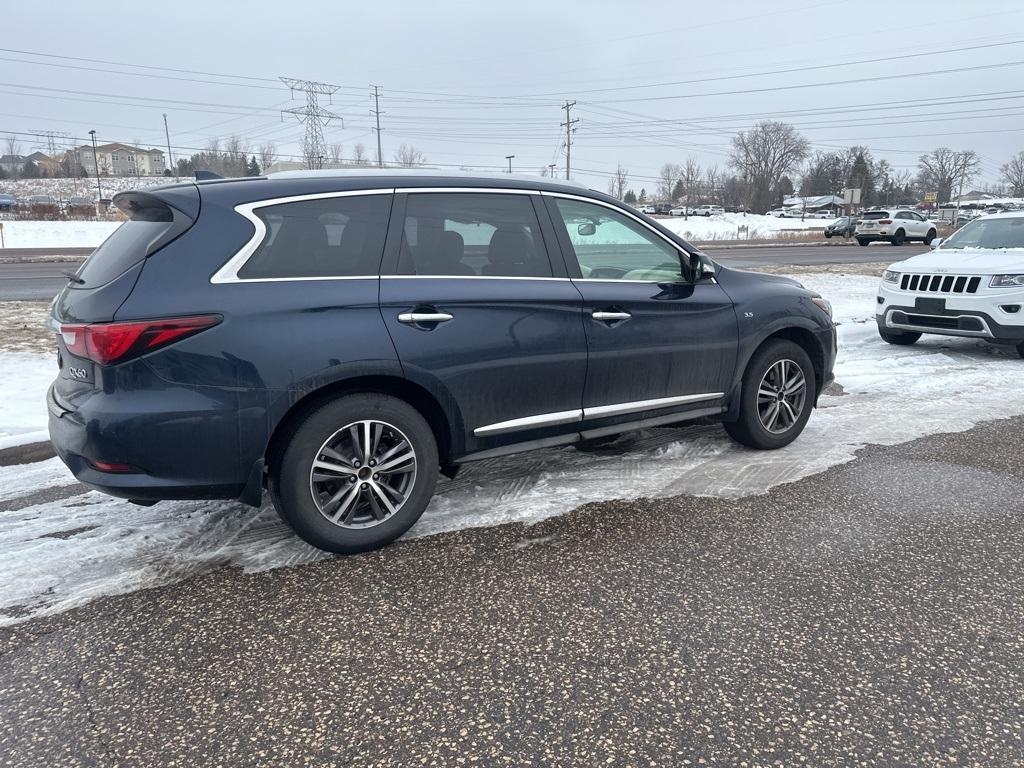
x,y
930,306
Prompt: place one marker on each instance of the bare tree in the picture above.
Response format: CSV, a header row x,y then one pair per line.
x,y
1013,174
713,184
359,156
690,177
236,151
667,178
268,155
12,146
763,155
616,184
946,172
408,156
335,150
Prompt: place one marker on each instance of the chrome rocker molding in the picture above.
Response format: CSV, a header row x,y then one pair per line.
x,y
595,412
985,333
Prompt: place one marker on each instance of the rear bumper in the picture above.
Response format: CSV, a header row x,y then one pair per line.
x,y
191,453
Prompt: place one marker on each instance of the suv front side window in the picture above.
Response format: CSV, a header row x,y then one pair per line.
x,y
609,245
472,234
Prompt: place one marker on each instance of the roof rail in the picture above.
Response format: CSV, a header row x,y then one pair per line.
x,y
207,175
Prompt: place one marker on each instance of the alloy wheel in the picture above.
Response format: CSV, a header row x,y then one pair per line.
x,y
363,474
781,396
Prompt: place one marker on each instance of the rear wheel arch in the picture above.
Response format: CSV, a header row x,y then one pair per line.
x,y
413,394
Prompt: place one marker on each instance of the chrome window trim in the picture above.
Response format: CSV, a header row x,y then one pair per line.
x,y
623,211
229,272
599,411
472,277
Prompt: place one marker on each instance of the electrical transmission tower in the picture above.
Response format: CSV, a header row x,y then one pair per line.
x,y
314,117
51,138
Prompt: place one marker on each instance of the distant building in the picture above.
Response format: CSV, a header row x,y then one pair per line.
x,y
120,160
12,164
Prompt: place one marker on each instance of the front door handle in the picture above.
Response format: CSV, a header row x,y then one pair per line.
x,y
609,316
421,318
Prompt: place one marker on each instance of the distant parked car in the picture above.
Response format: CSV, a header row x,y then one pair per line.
x,y
824,214
648,209
662,208
785,213
8,202
80,205
737,209
43,205
895,226
841,227
708,210
681,210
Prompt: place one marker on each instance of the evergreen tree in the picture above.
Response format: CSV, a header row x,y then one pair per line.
x,y
254,167
643,196
630,198
678,191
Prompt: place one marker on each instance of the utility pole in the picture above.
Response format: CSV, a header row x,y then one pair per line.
x,y
376,112
568,125
167,133
314,117
551,169
509,158
96,164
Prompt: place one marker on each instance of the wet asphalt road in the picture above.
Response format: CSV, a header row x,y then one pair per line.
x,y
870,615
43,280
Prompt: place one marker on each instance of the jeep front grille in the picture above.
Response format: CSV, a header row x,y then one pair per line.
x,y
940,283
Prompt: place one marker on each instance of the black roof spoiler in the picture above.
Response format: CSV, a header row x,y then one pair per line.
x,y
207,175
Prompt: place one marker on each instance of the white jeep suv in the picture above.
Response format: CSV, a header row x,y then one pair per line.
x,y
897,226
971,284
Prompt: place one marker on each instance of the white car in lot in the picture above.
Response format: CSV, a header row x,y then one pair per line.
x,y
784,213
971,284
708,210
894,225
650,210
681,210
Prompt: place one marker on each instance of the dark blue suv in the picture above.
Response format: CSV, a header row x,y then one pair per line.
x,y
340,338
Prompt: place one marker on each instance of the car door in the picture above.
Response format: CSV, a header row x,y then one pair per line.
x,y
478,315
655,338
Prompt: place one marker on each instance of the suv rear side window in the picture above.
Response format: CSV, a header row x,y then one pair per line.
x,y
472,234
329,237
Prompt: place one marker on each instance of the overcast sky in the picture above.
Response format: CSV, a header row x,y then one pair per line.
x,y
468,83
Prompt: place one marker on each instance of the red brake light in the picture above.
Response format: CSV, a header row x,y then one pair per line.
x,y
107,343
111,467
885,221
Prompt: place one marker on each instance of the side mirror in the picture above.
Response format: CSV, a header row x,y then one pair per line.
x,y
587,229
699,269
936,242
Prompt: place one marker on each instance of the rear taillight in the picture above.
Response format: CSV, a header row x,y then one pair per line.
x,y
107,343
885,221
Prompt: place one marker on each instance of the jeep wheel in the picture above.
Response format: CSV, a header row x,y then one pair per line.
x,y
775,398
356,473
900,338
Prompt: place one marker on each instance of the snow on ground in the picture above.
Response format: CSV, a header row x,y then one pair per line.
x,y
60,554
57,234
23,398
62,189
726,226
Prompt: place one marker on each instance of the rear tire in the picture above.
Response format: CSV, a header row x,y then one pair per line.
x,y
862,241
900,338
768,420
348,504
899,237
1020,349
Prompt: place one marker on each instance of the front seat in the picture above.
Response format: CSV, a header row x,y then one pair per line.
x,y
509,253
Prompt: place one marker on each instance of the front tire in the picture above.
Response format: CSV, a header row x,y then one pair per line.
x,y
1020,349
930,236
776,396
356,473
828,235
900,338
863,241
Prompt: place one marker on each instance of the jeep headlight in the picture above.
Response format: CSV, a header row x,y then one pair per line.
x,y
1007,281
890,277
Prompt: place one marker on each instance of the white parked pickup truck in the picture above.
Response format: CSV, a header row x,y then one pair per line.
x,y
971,284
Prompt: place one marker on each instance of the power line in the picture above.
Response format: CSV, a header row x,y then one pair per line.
x,y
315,117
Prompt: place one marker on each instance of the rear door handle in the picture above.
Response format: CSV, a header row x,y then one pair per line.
x,y
419,318
609,316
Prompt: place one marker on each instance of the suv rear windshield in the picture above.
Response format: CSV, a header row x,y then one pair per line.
x,y
875,215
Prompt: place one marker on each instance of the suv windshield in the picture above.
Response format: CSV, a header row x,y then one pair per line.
x,y
988,233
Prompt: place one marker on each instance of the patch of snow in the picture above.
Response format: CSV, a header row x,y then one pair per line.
x,y
23,398
57,555
726,226
57,234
